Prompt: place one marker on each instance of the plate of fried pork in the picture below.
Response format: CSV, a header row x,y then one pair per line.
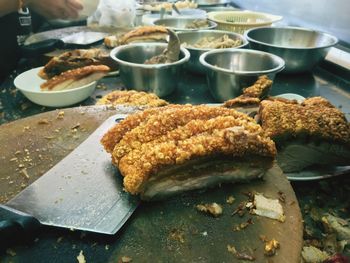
x,y
66,79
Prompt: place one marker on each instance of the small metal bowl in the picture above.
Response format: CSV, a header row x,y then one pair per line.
x,y
194,36
301,48
231,70
160,79
181,23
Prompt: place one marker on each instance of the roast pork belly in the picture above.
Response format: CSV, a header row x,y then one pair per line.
x,y
181,148
307,134
76,59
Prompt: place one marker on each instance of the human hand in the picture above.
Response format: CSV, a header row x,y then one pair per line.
x,y
53,9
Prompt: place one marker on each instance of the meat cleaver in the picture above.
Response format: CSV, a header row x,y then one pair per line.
x,y
83,191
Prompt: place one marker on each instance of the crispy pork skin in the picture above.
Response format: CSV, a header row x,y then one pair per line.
x,y
311,133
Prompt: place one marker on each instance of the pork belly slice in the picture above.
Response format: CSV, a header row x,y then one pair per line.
x,y
163,168
76,59
307,134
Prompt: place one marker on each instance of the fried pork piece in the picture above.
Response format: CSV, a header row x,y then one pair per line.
x,y
252,95
137,35
75,78
133,98
116,133
189,147
314,132
76,59
221,155
160,124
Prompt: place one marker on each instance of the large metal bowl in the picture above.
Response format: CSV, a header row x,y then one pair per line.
x,y
193,37
231,70
181,23
301,48
160,79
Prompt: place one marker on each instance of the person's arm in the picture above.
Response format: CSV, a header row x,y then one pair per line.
x,y
50,9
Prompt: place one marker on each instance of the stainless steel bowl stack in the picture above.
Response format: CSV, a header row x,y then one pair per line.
x,y
193,37
231,70
301,48
181,23
160,79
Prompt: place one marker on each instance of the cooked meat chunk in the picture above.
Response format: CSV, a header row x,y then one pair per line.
x,y
76,59
132,98
252,95
314,132
188,147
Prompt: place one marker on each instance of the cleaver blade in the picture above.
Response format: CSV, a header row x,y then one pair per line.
x,y
83,191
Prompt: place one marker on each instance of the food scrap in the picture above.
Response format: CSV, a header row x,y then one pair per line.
x,y
311,254
270,208
177,235
125,259
60,115
243,225
239,255
43,121
81,257
230,200
240,210
271,246
213,209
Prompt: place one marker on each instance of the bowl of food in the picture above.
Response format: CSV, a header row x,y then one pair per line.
x,y
185,24
228,71
29,84
201,41
140,70
301,48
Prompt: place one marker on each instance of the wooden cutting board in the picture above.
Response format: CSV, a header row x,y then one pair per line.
x,y
164,231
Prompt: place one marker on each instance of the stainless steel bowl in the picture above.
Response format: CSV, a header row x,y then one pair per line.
x,y
231,70
301,48
160,79
180,23
194,36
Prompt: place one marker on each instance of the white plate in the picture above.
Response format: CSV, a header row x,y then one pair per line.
x,y
292,96
29,84
318,174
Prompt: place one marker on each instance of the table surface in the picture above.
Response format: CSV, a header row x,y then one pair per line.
x,y
193,89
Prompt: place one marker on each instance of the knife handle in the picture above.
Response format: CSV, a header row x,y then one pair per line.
x,y
16,226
